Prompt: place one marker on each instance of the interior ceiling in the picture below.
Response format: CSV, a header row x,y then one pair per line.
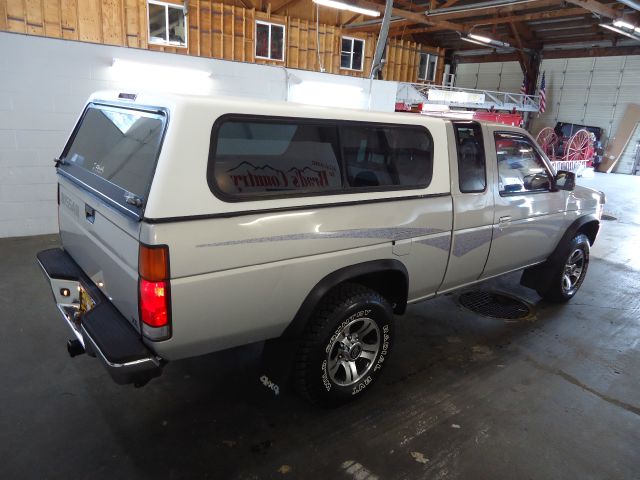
x,y
525,24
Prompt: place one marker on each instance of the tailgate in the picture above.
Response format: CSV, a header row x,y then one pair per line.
x,y
104,243
104,175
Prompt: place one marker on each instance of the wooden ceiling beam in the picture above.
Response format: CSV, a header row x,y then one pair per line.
x,y
546,15
491,11
449,3
597,7
489,57
592,52
441,20
413,16
590,37
279,8
352,19
375,28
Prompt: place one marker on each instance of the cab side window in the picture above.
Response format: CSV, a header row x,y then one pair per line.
x,y
472,175
520,166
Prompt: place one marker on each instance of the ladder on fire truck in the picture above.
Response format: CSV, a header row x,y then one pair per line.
x,y
411,94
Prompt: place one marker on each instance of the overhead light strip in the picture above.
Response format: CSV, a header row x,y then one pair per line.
x,y
620,31
348,7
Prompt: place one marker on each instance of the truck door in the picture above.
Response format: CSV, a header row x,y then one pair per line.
x,y
529,214
472,192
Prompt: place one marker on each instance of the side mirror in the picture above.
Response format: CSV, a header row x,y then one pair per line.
x,y
536,182
565,180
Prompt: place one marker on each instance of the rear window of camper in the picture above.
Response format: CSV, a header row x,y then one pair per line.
x,y
114,151
273,157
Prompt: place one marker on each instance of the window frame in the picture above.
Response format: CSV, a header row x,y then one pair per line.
x,y
344,190
284,38
426,70
352,52
455,130
547,167
167,42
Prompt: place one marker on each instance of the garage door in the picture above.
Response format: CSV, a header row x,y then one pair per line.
x,y
589,91
495,76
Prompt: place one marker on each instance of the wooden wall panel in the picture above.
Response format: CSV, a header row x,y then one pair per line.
x,y
52,18
132,23
16,18
69,19
217,30
34,17
112,22
90,20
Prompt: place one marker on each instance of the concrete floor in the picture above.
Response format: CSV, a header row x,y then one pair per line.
x,y
556,397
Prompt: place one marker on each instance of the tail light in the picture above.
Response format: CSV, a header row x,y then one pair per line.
x,y
154,291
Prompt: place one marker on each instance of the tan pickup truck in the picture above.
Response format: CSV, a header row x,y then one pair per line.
x,y
191,225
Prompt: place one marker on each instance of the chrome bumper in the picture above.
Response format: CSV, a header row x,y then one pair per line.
x,y
103,332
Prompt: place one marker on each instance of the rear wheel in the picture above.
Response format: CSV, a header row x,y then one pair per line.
x,y
567,275
345,345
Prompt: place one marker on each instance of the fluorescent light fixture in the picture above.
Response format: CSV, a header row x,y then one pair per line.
x,y
129,67
129,74
623,24
480,38
485,41
466,39
346,6
328,94
621,32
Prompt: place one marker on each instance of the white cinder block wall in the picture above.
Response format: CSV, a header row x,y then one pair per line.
x,y
45,82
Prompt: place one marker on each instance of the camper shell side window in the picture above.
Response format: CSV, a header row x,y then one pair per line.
x,y
254,157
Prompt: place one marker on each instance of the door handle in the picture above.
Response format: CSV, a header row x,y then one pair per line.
x,y
89,213
504,221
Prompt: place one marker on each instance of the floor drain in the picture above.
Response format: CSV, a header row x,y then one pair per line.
x,y
608,217
495,305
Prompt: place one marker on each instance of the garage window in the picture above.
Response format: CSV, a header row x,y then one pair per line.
x,y
269,41
167,24
427,67
253,157
352,54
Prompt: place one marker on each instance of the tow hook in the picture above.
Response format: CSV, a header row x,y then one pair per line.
x,y
75,348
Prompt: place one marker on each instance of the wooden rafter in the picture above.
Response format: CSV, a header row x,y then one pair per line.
x,y
442,18
486,11
352,19
415,30
279,8
596,7
414,16
449,3
246,3
526,64
548,14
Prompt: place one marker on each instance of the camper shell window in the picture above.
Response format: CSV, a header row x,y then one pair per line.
x,y
265,157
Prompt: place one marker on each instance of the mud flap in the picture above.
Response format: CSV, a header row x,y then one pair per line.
x,y
276,365
533,277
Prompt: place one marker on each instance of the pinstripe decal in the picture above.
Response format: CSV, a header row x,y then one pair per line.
x,y
381,233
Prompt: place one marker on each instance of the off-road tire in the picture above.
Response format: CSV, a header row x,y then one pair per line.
x,y
345,309
556,288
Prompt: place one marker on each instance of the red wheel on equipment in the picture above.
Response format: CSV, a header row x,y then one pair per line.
x,y
577,147
547,140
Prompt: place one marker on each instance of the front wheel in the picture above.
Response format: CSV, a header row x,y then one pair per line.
x,y
567,275
345,346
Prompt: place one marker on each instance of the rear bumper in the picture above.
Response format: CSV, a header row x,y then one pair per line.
x,y
103,331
